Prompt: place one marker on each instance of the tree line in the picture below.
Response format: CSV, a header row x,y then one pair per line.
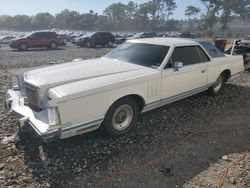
x,y
154,15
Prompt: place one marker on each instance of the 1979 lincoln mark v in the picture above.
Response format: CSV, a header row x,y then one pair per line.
x,y
110,92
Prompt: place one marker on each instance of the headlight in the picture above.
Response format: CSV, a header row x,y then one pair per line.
x,y
15,82
53,116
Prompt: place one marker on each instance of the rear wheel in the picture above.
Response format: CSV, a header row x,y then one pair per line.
x,y
53,45
121,117
215,89
23,47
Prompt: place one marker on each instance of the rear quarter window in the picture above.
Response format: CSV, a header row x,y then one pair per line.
x,y
203,55
212,50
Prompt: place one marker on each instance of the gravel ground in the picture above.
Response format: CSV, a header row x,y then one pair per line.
x,y
159,152
36,57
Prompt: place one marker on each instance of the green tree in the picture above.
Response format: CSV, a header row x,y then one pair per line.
x,y
213,7
103,23
67,19
141,17
158,7
21,22
192,11
169,6
131,9
233,7
5,21
117,14
88,21
43,21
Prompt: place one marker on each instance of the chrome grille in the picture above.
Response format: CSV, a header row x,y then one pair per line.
x,y
32,96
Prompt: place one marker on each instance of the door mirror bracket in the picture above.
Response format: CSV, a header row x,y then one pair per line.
x,y
177,65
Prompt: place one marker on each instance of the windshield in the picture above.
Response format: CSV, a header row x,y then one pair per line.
x,y
137,35
148,55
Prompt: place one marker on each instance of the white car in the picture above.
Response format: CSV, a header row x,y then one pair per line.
x,y
65,100
6,39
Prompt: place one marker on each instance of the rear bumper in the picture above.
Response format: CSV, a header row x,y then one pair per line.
x,y
15,103
247,65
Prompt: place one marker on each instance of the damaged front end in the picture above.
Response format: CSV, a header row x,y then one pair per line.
x,y
44,122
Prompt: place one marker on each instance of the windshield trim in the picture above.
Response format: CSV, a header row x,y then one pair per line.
x,y
156,67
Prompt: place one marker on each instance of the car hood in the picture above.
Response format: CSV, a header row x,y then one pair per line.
x,y
17,38
131,38
77,71
83,38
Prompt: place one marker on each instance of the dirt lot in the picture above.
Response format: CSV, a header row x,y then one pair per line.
x,y
189,143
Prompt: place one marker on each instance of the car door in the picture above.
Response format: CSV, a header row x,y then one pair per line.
x,y
103,38
32,40
36,40
187,80
43,39
98,38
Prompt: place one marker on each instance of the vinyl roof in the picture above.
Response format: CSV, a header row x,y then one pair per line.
x,y
165,41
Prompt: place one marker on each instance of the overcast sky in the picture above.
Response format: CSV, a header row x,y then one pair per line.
x,y
31,7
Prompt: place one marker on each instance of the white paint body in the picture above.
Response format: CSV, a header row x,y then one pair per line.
x,y
82,92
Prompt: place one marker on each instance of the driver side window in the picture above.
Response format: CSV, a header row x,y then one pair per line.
x,y
188,55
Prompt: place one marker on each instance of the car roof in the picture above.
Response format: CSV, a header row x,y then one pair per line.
x,y
165,41
44,32
199,40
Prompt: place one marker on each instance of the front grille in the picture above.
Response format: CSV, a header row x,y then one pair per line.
x,y
32,96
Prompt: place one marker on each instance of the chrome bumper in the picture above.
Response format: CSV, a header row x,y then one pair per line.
x,y
37,120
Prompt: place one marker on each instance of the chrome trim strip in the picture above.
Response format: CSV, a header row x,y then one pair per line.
x,y
177,97
86,124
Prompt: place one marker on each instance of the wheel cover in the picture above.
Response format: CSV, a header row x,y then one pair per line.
x,y
122,118
53,45
110,43
23,46
218,84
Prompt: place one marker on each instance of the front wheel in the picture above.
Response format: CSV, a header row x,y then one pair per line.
x,y
110,44
23,47
121,117
88,45
216,88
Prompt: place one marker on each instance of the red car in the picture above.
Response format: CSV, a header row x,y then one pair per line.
x,y
36,40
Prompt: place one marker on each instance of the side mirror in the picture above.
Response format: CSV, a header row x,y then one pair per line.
x,y
178,65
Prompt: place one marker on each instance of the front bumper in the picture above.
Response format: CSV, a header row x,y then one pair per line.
x,y
13,45
37,120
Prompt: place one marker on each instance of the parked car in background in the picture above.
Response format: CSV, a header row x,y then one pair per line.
x,y
6,39
143,35
64,37
36,40
246,41
98,38
69,99
240,47
76,39
184,34
120,39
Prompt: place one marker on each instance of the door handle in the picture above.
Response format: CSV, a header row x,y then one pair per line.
x,y
203,71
